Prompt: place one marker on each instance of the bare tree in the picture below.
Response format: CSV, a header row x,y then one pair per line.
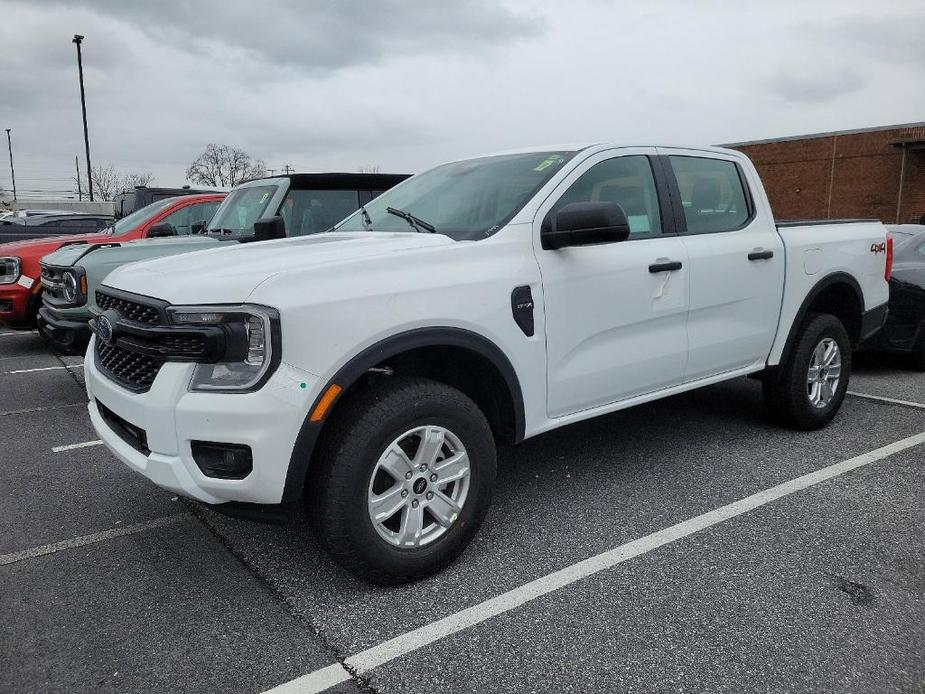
x,y
223,166
137,178
370,168
107,182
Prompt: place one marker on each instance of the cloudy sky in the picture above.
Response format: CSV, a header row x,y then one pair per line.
x,y
338,84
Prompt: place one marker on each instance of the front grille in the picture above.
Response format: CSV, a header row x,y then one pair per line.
x,y
140,313
129,369
52,279
192,344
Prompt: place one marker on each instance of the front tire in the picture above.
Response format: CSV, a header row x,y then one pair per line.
x,y
807,391
403,480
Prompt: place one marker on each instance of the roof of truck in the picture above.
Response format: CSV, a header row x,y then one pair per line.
x,y
338,181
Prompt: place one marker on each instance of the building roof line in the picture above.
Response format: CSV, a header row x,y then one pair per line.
x,y
812,136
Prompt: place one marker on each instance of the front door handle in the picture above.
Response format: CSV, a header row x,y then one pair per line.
x,y
668,266
761,255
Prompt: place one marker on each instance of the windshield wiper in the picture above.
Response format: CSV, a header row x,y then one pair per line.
x,y
416,222
364,215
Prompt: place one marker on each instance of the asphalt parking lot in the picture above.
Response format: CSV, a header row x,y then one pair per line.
x,y
683,546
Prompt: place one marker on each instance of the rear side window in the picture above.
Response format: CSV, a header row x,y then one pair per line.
x,y
627,181
711,194
313,211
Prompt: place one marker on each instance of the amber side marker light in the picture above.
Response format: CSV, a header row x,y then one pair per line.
x,y
321,409
83,285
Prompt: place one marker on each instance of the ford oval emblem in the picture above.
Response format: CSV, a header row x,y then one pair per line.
x,y
104,329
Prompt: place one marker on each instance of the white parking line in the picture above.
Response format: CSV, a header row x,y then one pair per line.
x,y
43,368
387,651
82,540
892,401
17,332
72,446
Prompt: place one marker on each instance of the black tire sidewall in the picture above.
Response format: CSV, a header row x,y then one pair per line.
x,y
818,328
354,458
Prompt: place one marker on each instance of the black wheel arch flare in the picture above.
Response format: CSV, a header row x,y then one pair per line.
x,y
393,346
831,280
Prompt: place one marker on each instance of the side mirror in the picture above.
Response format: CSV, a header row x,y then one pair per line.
x,y
583,224
161,230
269,228
198,228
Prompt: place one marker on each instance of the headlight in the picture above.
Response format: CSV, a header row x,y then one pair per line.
x,y
10,270
69,287
252,345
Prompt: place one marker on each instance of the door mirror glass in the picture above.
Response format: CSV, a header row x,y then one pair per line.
x,y
583,224
161,230
269,228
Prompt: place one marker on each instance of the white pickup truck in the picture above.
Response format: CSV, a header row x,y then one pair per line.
x,y
371,369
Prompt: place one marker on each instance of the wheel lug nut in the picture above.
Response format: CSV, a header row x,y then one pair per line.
x,y
422,468
408,475
433,478
430,495
404,493
415,503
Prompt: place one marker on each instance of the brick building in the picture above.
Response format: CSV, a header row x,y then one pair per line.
x,y
876,173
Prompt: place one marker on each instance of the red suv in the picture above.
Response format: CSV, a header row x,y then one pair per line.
x,y
20,285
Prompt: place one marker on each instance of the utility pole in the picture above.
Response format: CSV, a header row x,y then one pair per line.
x,y
80,196
9,144
287,169
83,107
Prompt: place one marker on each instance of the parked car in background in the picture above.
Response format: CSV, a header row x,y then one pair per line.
x,y
306,203
370,370
20,281
129,201
39,213
904,331
72,275
42,225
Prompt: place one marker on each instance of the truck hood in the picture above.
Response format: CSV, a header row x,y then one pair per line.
x,y
230,274
36,248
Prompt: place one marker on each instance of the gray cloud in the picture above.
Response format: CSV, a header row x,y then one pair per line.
x,y
803,83
405,85
315,36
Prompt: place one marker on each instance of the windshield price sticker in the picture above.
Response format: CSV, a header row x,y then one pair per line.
x,y
548,161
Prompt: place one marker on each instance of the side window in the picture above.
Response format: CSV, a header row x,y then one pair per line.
x,y
627,181
199,216
921,249
711,194
179,220
313,211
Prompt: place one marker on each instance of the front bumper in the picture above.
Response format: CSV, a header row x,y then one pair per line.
x,y
63,330
171,417
14,303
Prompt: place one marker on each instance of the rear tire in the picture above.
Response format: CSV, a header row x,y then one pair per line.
x,y
369,463
918,351
805,393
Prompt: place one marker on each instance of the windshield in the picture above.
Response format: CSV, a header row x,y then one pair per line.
x,y
139,217
468,199
242,208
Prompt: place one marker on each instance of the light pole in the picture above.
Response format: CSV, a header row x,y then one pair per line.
x,y
9,144
83,107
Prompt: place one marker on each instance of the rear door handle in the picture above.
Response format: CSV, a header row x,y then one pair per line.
x,y
665,267
761,255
